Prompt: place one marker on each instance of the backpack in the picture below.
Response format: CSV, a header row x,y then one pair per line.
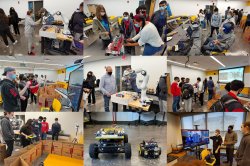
x,y
220,106
186,91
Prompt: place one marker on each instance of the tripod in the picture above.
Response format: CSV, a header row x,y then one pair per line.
x,y
75,140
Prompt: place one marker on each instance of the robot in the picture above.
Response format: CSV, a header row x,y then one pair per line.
x,y
149,149
116,47
128,73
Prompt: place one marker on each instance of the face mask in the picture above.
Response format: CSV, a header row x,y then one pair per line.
x,y
126,18
229,16
12,76
137,25
229,130
109,73
162,8
103,13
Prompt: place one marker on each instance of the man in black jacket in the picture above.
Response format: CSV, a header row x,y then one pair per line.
x,y
10,95
7,131
56,128
77,20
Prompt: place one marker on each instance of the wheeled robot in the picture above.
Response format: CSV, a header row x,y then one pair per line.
x,y
149,149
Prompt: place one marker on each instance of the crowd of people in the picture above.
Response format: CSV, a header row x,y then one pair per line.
x,y
185,92
138,29
9,23
16,91
32,131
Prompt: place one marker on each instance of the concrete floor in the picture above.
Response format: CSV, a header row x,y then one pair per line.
x,y
21,48
196,106
136,135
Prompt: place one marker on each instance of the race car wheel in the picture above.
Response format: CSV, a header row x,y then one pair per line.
x,y
125,138
127,149
93,151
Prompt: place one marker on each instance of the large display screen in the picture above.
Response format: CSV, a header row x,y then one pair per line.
x,y
228,75
69,70
193,138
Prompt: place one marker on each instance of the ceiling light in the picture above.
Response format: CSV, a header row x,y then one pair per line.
x,y
32,63
216,60
186,65
84,57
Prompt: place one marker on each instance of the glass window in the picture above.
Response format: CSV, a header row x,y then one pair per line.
x,y
233,118
200,120
215,121
187,122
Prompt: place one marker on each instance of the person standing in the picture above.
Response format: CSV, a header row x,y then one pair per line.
x,y
56,129
21,85
176,92
26,132
77,23
217,141
210,86
14,20
8,133
215,22
162,93
37,127
101,26
240,15
202,19
5,29
29,31
243,152
45,129
200,90
91,82
231,139
227,11
107,87
10,95
159,18
187,94
34,86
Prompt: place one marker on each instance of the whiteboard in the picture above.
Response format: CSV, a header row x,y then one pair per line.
x,y
247,79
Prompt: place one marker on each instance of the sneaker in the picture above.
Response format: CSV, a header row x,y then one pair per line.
x,y
31,53
15,42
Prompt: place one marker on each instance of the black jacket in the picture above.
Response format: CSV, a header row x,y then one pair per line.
x,y
14,19
78,18
243,152
56,128
10,96
162,88
7,130
91,81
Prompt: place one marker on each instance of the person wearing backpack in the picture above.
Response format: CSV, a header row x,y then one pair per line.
x,y
230,101
210,87
187,93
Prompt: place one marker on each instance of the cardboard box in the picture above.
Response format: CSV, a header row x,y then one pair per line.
x,y
57,145
47,142
42,100
27,157
78,146
8,161
80,157
67,152
47,149
68,145
57,152
77,153
19,162
3,154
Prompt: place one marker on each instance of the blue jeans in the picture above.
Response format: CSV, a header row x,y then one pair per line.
x,y
150,50
203,24
106,103
210,94
44,136
176,103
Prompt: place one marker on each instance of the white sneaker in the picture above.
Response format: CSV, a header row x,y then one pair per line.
x,y
15,42
7,46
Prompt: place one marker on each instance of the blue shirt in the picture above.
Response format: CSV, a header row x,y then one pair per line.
x,y
210,84
105,24
108,84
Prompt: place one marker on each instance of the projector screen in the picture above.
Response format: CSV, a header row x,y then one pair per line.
x,y
69,70
228,75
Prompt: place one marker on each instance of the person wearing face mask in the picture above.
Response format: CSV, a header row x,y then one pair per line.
x,y
107,87
101,26
230,18
21,85
91,82
230,100
215,21
34,86
243,152
176,92
148,36
217,141
10,95
45,129
128,30
223,41
231,139
37,127
159,18
8,133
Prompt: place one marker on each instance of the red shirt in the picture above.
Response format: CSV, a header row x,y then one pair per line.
x,y
35,89
45,127
235,109
175,89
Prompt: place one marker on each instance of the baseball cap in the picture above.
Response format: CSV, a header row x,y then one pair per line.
x,y
8,69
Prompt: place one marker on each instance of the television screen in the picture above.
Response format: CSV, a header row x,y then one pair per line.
x,y
228,75
192,138
69,70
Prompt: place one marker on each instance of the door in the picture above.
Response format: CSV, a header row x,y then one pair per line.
x,y
168,84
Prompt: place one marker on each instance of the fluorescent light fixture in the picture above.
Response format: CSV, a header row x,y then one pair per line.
x,y
216,60
182,64
84,57
32,63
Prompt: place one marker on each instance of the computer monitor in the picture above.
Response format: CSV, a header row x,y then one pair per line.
x,y
75,87
193,138
189,32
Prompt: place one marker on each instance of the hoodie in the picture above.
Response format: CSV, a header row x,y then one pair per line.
x,y
7,130
243,152
10,96
216,20
78,18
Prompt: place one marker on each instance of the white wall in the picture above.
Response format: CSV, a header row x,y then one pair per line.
x,y
21,7
98,67
192,74
51,74
68,120
67,7
155,67
192,7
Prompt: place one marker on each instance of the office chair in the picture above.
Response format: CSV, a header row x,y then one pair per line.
x,y
204,155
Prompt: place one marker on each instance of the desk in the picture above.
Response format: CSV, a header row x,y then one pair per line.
x,y
52,160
